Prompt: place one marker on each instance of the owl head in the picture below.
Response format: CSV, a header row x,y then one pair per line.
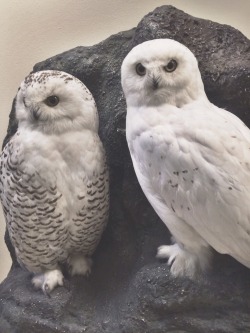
x,y
161,71
54,102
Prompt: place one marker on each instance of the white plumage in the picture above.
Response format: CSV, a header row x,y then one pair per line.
x,y
54,178
192,159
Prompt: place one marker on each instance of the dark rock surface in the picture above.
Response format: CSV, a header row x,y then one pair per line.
x,y
129,291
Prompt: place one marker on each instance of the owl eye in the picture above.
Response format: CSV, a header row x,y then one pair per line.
x,y
171,66
140,69
51,101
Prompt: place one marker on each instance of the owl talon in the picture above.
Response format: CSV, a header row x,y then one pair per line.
x,y
46,290
183,262
48,281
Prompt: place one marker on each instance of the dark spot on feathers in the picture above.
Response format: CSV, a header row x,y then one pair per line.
x,y
172,208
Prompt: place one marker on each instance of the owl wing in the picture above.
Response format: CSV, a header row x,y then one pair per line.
x,y
200,169
91,210
34,211
213,174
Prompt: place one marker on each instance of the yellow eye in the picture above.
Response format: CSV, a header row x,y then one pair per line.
x,y
51,101
140,69
171,66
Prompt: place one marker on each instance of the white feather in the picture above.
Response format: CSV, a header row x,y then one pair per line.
x,y
191,158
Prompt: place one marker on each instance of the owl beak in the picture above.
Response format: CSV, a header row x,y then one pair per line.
x,y
35,114
155,82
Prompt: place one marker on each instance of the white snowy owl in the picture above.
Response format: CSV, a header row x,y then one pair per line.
x,y
54,182
192,159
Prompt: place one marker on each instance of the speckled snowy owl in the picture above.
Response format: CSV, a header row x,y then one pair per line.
x,y
54,178
192,159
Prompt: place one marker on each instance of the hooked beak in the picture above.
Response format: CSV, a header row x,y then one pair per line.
x,y
155,82
35,113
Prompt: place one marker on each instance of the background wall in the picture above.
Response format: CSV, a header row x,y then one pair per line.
x,y
33,30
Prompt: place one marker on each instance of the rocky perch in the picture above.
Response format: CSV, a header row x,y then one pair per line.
x,y
129,291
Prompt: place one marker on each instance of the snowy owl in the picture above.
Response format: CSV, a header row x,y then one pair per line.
x,y
191,158
54,182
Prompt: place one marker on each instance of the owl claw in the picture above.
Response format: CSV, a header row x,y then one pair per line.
x,y
183,262
48,281
46,290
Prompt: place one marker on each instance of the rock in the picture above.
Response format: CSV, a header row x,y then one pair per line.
x,y
129,291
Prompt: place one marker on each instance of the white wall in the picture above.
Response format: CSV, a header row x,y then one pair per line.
x,y
33,30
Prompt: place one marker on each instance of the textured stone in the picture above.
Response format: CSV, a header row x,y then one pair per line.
x,y
129,291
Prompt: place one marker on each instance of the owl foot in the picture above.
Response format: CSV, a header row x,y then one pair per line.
x,y
48,281
183,262
80,265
